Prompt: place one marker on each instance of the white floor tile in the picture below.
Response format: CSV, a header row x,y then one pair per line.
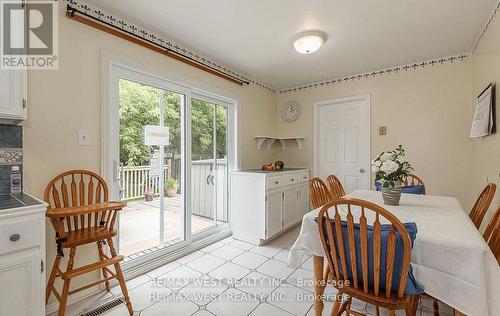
x,y
147,294
178,278
227,252
118,311
203,313
233,303
292,299
213,246
241,244
275,269
227,240
302,278
257,284
281,241
267,251
229,273
282,255
249,260
327,309
190,257
132,283
163,269
308,264
268,310
205,263
172,305
203,290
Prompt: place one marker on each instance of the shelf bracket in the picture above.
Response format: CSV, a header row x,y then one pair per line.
x,y
282,141
260,141
299,143
270,142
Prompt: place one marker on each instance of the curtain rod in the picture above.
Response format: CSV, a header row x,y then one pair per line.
x,y
109,28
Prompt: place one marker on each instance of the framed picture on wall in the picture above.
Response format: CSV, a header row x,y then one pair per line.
x,y
483,123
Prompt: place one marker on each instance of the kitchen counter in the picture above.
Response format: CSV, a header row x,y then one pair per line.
x,y
16,200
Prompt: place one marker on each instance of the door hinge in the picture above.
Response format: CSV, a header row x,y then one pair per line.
x,y
266,198
283,195
24,103
41,266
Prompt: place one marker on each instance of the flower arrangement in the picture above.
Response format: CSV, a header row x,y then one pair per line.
x,y
391,168
148,191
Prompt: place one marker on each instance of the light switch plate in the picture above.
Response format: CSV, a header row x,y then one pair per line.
x,y
382,130
83,137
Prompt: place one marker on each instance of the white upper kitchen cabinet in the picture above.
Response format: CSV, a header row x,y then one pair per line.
x,y
13,96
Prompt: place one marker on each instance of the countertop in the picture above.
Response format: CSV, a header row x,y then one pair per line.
x,y
16,200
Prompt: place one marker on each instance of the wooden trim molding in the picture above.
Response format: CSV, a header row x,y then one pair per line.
x,y
83,18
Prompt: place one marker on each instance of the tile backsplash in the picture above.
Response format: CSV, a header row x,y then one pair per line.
x,y
11,153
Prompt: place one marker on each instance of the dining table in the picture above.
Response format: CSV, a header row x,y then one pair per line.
x,y
450,258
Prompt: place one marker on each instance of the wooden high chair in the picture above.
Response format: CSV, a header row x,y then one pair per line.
x,y
81,214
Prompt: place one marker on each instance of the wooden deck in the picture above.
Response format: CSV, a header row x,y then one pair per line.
x,y
140,230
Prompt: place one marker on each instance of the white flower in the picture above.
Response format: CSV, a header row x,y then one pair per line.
x,y
375,168
389,166
385,157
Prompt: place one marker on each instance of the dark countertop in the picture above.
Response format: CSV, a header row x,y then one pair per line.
x,y
16,200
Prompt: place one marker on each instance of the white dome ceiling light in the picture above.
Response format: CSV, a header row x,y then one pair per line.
x,y
309,42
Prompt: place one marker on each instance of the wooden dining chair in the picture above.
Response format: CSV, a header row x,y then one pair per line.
x,y
492,234
319,193
80,214
351,247
412,179
335,187
482,204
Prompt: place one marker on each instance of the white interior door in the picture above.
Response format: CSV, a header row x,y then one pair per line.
x,y
342,141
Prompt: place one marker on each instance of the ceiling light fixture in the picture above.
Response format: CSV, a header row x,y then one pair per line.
x,y
309,42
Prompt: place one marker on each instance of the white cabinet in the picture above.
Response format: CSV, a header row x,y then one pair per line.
x,y
303,199
20,279
13,90
22,260
265,204
13,100
274,205
290,204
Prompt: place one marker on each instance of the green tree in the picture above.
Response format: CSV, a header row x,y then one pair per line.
x,y
139,106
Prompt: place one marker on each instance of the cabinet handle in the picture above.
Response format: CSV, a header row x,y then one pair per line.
x,y
23,3
42,266
24,103
292,179
276,182
15,237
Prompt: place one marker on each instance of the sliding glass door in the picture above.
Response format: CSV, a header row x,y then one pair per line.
x,y
167,152
209,165
150,174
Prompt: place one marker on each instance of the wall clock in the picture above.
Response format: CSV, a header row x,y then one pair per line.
x,y
290,111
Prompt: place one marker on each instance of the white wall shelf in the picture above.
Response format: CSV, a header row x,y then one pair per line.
x,y
271,139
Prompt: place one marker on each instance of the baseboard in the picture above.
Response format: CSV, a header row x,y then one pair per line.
x,y
137,271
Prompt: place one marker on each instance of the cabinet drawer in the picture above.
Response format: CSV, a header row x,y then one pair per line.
x,y
291,179
19,233
274,182
303,177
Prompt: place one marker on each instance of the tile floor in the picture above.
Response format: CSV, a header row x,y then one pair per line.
x,y
231,278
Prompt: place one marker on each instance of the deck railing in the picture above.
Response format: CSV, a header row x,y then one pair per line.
x,y
136,179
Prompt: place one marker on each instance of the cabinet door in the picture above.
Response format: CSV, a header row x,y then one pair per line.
x,y
303,199
20,281
13,84
274,207
290,206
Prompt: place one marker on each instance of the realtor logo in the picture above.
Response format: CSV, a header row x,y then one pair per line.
x,y
29,34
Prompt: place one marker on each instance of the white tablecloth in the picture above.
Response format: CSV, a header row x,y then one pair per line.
x,y
449,258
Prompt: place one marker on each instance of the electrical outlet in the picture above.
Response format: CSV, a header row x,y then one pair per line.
x,y
83,137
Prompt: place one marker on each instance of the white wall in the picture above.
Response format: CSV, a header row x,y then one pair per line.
x,y
425,110
486,151
64,100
